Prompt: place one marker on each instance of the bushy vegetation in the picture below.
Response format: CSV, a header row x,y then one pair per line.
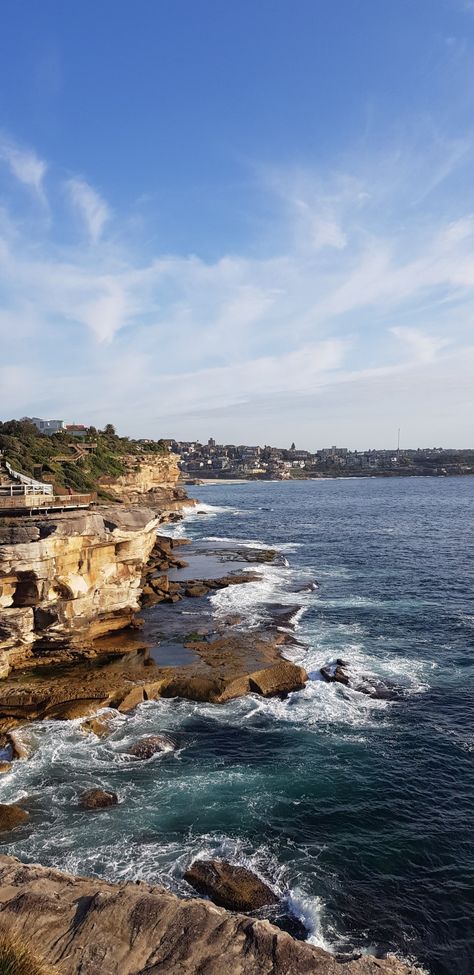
x,y
16,958
55,459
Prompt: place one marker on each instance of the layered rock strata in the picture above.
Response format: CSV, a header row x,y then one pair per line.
x,y
66,579
86,926
150,479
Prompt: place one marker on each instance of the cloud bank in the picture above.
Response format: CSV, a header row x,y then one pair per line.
x,y
351,315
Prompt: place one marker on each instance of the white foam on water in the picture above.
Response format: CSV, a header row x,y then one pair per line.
x,y
254,543
311,912
251,600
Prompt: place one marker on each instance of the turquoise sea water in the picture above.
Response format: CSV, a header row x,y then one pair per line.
x,y
358,809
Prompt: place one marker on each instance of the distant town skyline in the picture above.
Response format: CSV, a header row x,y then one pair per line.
x,y
50,426
253,219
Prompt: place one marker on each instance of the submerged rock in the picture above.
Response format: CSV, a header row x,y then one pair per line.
x,y
98,799
230,886
11,816
196,591
149,746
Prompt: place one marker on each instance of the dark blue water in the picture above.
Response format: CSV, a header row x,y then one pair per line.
x,y
358,809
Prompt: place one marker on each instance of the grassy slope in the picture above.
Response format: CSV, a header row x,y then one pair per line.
x,y
26,450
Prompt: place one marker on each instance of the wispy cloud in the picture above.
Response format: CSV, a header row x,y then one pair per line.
x,y
354,299
92,209
24,164
423,347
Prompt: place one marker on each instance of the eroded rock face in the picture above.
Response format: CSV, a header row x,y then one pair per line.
x,y
229,886
135,929
68,578
150,479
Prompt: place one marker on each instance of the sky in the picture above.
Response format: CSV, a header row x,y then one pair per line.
x,y
250,220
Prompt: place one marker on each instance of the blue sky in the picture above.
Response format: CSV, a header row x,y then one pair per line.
x,y
249,220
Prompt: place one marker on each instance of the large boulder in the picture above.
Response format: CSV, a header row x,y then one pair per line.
x,y
282,678
98,799
193,688
11,816
230,886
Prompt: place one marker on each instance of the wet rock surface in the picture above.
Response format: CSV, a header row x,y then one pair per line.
x,y
230,886
98,799
11,816
145,748
365,684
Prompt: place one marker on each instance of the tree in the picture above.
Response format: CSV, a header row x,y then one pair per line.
x,y
109,430
293,447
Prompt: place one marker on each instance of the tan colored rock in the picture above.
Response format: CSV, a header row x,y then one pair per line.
x,y
134,697
160,583
193,688
230,886
69,710
153,689
196,591
136,929
98,799
282,678
145,475
101,726
69,578
5,767
234,688
11,816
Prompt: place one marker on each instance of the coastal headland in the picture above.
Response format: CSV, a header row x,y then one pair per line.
x,y
94,622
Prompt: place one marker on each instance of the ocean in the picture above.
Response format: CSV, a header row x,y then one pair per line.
x,y
358,808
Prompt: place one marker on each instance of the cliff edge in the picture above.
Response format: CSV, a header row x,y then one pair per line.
x,y
68,578
86,926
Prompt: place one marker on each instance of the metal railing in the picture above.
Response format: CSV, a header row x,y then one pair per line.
x,y
19,490
50,502
30,485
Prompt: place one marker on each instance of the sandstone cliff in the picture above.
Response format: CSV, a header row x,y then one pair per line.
x,y
149,478
86,926
68,578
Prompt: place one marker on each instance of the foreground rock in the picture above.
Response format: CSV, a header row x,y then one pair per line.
x,y
68,578
98,799
88,926
229,886
11,816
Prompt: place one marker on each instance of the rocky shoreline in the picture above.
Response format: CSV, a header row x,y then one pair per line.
x,y
90,668
85,926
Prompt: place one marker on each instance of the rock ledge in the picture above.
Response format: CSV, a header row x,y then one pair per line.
x,y
86,926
